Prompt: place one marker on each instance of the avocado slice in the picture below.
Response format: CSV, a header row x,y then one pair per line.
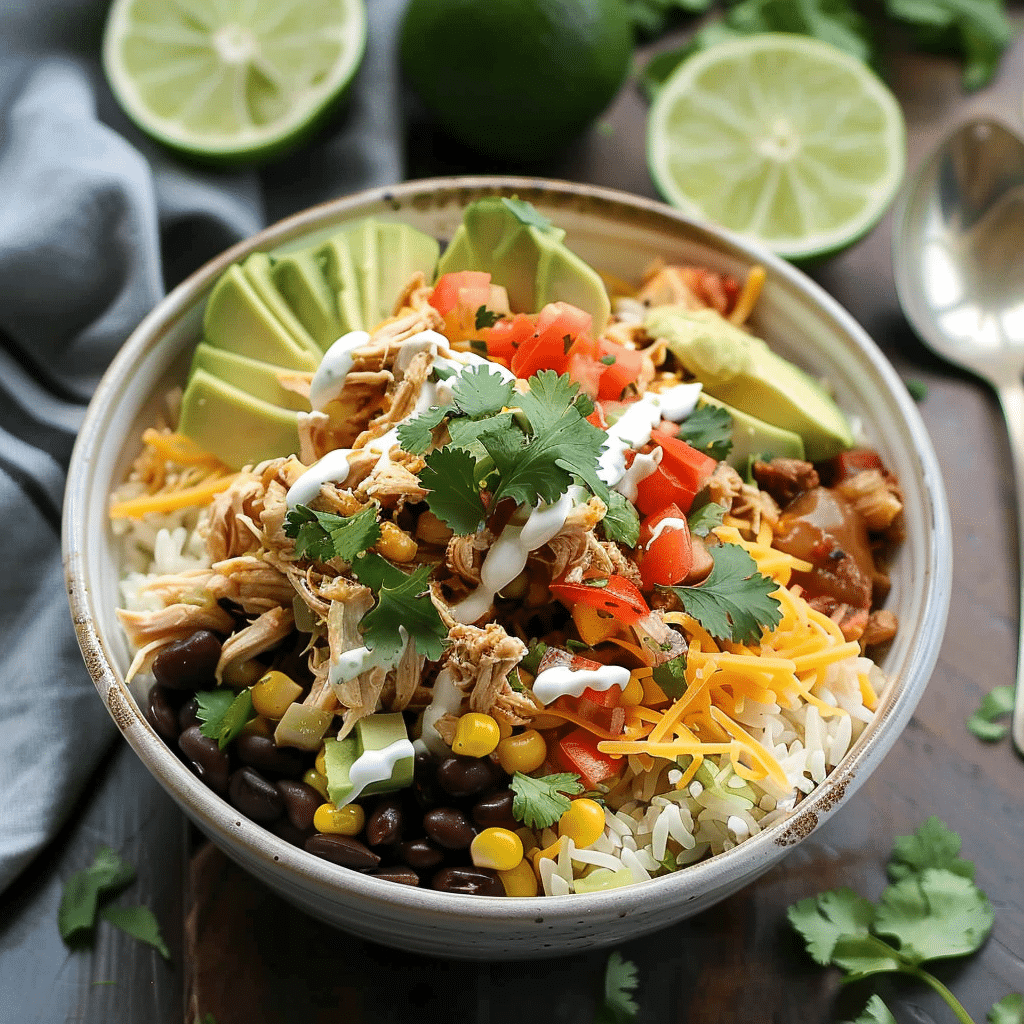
x,y
235,426
335,260
375,732
754,438
525,253
744,372
238,320
300,279
259,379
258,269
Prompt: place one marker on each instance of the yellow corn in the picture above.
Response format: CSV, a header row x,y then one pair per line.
x,y
339,821
496,848
476,735
524,752
395,543
320,762
520,880
273,693
257,726
583,822
317,780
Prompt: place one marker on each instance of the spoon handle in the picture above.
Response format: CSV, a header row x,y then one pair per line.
x,y
1011,398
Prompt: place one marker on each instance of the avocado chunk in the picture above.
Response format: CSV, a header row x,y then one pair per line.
x,y
261,380
258,269
335,260
238,319
235,426
525,253
744,372
343,757
754,438
300,279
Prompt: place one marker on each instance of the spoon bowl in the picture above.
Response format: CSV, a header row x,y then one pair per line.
x,y
958,257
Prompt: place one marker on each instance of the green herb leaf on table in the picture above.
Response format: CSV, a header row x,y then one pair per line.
x,y
139,923
933,845
403,602
734,602
223,713
652,17
322,536
996,704
917,388
453,493
708,429
107,875
621,522
876,1012
618,1005
538,803
705,518
1009,1010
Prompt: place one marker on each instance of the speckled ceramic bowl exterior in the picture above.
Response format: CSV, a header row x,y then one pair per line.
x,y
619,234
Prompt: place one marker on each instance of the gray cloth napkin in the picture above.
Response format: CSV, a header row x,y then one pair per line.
x,y
95,222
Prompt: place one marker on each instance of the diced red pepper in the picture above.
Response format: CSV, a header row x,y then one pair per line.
x,y
666,549
613,594
682,473
577,751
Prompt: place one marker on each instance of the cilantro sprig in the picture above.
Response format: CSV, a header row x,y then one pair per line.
x,y
538,803
223,713
986,722
734,602
931,910
618,1005
324,535
708,429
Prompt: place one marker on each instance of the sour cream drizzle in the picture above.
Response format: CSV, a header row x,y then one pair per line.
x,y
562,681
333,468
350,664
376,766
330,374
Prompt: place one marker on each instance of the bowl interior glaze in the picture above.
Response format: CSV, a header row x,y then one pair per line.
x,y
620,235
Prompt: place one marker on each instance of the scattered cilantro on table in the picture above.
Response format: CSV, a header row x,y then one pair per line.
x,y
996,704
538,803
223,713
917,388
83,893
708,429
931,910
324,535
618,1006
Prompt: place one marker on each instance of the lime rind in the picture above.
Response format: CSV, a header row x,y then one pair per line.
x,y
711,154
231,80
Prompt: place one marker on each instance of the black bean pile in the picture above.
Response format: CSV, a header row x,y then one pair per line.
x,y
420,836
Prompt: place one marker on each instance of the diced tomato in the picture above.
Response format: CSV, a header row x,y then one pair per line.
x,y
621,367
614,594
586,371
577,751
682,473
847,464
445,296
597,417
507,335
666,550
562,332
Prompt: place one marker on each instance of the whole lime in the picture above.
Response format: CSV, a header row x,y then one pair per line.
x,y
516,79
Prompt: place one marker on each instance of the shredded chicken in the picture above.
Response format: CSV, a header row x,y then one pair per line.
x,y
263,634
480,659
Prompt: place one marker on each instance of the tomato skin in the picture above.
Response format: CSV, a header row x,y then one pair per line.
x,y
850,463
666,555
615,594
562,333
618,375
507,335
577,751
682,473
445,296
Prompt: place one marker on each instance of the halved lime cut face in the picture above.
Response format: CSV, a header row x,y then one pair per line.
x,y
781,138
231,79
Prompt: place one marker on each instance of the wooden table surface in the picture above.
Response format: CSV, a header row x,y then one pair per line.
x,y
242,955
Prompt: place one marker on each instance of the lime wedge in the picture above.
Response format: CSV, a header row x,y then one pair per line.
x,y
231,80
781,138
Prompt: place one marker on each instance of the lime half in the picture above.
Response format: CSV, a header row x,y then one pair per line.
x,y
781,138
231,79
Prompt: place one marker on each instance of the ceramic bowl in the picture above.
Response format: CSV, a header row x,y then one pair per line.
x,y
621,235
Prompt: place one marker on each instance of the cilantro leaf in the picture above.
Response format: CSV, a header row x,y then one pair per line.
x,y
621,522
322,536
704,519
831,922
466,433
223,713
620,982
1009,1010
485,318
876,1012
734,602
671,676
996,704
417,435
528,214
479,392
933,845
917,388
453,493
708,429
140,923
403,600
80,897
934,914
539,803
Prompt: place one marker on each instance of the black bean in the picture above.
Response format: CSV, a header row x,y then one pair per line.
x,y
406,876
449,828
495,811
189,714
256,797
343,850
300,802
289,833
189,664
263,754
384,824
420,854
424,784
471,881
162,713
466,776
205,758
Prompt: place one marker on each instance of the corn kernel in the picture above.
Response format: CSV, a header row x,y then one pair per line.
x,y
339,821
476,735
317,780
395,543
632,693
497,848
520,880
524,752
273,693
258,726
504,727
583,822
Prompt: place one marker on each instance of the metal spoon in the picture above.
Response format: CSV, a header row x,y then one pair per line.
x,y
958,256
